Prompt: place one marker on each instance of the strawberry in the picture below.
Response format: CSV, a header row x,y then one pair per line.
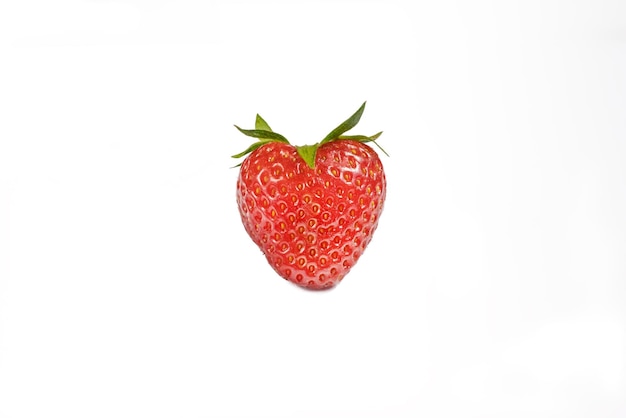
x,y
311,209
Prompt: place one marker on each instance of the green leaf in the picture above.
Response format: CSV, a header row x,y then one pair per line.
x,y
380,148
263,134
346,125
261,125
252,148
307,152
363,138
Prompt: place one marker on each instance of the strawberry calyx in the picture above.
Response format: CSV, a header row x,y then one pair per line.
x,y
265,134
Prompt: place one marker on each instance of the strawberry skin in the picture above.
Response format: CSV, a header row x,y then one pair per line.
x,y
311,209
312,224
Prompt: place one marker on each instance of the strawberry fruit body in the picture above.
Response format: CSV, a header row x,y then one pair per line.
x,y
312,210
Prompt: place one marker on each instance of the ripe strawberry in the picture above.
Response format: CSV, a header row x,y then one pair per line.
x,y
311,209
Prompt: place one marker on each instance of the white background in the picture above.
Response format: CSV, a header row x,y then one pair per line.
x,y
495,285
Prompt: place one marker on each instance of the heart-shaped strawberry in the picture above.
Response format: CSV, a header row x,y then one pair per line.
x,y
311,209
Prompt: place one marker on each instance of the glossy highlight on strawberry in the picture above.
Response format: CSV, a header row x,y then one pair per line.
x,y
312,210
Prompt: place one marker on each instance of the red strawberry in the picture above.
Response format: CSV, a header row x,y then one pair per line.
x,y
311,209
